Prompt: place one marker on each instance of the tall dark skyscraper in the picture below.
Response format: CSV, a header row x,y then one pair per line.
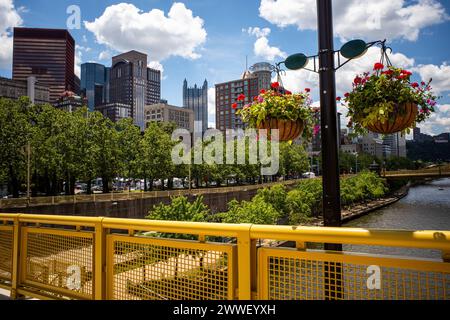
x,y
153,86
134,84
196,99
95,84
47,54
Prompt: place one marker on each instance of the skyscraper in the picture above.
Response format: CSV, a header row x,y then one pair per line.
x,y
196,99
95,84
47,54
397,143
153,86
134,84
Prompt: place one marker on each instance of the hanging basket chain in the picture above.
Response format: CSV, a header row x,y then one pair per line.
x,y
280,72
385,61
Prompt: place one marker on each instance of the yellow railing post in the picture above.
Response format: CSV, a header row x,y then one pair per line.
x,y
245,263
100,261
15,272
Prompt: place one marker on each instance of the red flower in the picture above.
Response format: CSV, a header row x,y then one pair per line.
x,y
255,99
263,91
388,72
275,85
338,99
234,106
357,80
288,92
415,85
307,90
347,95
378,66
402,76
241,97
406,73
423,83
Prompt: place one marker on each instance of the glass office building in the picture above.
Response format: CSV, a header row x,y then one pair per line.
x,y
95,84
196,99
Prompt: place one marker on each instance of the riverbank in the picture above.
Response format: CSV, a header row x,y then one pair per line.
x,y
361,209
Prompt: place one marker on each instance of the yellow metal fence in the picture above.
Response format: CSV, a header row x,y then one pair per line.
x,y
62,257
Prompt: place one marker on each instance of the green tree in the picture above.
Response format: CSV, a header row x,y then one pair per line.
x,y
129,139
15,132
293,159
156,155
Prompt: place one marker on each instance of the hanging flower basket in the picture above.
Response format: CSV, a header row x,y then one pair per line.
x,y
403,117
386,102
288,130
279,109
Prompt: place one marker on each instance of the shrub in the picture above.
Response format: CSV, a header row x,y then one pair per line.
x,y
256,211
299,204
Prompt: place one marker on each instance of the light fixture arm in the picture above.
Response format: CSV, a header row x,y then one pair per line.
x,y
357,48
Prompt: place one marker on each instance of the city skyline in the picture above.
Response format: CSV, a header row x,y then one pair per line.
x,y
221,37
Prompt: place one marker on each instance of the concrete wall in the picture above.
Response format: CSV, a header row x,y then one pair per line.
x,y
136,208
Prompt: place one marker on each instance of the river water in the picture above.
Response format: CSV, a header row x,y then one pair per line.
x,y
426,207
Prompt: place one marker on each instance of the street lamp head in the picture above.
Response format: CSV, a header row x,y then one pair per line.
x,y
296,61
354,49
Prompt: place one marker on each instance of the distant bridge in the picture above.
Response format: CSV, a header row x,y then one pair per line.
x,y
435,172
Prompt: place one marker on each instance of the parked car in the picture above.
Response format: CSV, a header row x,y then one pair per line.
x,y
309,175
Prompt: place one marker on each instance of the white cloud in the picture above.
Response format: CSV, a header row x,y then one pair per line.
x,y
104,55
444,108
438,123
78,60
258,32
156,65
262,48
9,18
374,20
124,27
212,107
439,74
81,48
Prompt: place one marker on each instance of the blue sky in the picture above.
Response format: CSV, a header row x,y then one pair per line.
x,y
211,38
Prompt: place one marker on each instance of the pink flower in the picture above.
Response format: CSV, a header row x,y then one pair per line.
x,y
316,129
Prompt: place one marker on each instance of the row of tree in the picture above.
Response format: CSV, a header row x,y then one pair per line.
x,y
82,146
277,204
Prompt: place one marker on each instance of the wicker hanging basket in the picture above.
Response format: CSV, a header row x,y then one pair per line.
x,y
403,117
288,130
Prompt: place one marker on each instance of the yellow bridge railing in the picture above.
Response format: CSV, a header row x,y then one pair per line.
x,y
438,171
64,257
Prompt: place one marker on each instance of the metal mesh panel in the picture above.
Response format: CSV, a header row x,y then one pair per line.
x,y
300,276
155,269
60,261
6,252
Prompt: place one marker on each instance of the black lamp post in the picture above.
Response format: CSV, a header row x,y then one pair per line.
x,y
324,65
328,114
